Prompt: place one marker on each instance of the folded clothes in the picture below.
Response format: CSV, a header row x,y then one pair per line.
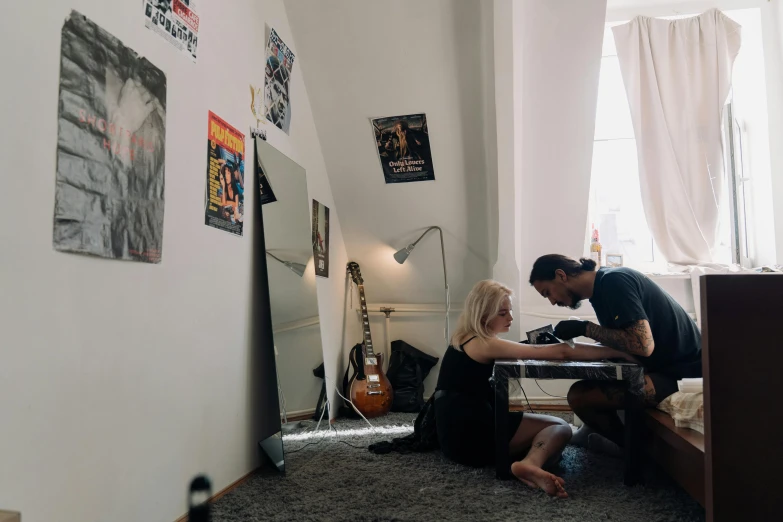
x,y
691,385
687,410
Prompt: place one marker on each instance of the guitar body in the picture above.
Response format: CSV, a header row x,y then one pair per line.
x,y
372,395
370,390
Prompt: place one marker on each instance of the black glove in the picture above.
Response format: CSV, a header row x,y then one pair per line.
x,y
567,330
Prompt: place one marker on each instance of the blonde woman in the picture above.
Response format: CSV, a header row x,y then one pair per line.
x,y
464,398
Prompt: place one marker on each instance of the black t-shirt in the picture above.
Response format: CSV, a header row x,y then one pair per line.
x,y
622,296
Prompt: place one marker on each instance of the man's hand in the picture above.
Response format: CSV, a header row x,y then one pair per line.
x,y
567,330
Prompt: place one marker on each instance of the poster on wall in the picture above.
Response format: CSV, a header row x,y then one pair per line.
x,y
404,148
265,192
279,62
224,206
111,137
175,21
321,239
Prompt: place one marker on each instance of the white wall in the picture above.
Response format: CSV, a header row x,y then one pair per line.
x,y
772,28
392,58
117,383
374,58
508,117
558,51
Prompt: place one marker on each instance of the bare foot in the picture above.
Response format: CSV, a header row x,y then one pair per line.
x,y
539,479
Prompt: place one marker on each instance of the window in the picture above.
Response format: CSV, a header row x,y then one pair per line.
x,y
615,206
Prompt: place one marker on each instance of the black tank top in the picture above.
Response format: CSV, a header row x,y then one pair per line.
x,y
460,373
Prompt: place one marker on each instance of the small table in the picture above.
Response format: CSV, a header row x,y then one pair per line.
x,y
505,369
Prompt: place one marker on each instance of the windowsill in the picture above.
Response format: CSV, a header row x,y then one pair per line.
x,y
654,275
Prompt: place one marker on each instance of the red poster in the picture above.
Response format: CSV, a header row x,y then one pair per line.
x,y
224,205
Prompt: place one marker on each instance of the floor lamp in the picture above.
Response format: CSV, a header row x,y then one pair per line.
x,y
402,254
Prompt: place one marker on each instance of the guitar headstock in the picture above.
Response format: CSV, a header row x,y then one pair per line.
x,y
356,274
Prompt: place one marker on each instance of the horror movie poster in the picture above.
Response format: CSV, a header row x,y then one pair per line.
x,y
321,239
110,147
404,148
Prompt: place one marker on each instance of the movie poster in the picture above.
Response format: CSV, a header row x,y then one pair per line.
x,y
265,192
176,21
111,137
279,62
224,206
404,148
321,239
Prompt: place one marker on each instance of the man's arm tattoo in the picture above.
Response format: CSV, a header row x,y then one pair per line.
x,y
636,339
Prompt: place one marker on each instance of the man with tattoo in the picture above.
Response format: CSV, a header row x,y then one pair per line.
x,y
635,316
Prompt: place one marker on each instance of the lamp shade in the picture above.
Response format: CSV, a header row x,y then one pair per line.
x,y
402,254
297,268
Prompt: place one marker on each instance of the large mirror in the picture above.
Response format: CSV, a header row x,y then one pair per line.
x,y
292,293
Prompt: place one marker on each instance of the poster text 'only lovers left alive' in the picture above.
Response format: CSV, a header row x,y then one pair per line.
x,y
403,144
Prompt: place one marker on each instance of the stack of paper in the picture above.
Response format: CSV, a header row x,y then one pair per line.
x,y
691,385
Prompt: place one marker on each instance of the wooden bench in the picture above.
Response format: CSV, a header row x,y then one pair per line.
x,y
679,451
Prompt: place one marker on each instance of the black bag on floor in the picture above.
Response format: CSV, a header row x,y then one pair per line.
x,y
408,367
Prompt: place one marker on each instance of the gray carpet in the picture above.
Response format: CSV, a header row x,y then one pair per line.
x,y
331,480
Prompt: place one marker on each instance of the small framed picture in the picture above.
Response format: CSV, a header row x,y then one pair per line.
x,y
614,260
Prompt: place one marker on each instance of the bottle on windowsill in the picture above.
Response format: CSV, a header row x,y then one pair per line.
x,y
595,248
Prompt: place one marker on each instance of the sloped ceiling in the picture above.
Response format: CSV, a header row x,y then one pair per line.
x,y
371,58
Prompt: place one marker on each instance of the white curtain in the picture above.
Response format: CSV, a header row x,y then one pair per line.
x,y
677,75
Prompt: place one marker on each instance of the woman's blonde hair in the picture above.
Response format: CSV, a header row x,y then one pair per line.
x,y
481,306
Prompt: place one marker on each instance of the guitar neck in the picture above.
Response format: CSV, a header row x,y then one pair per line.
x,y
365,323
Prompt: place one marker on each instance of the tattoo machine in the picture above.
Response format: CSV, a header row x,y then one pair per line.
x,y
546,335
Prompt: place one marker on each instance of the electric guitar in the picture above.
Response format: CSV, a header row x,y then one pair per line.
x,y
371,391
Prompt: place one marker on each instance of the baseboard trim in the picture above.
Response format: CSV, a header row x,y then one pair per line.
x,y
220,494
300,415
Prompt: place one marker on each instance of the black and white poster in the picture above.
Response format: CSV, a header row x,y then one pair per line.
x,y
175,21
321,239
110,147
404,148
279,62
